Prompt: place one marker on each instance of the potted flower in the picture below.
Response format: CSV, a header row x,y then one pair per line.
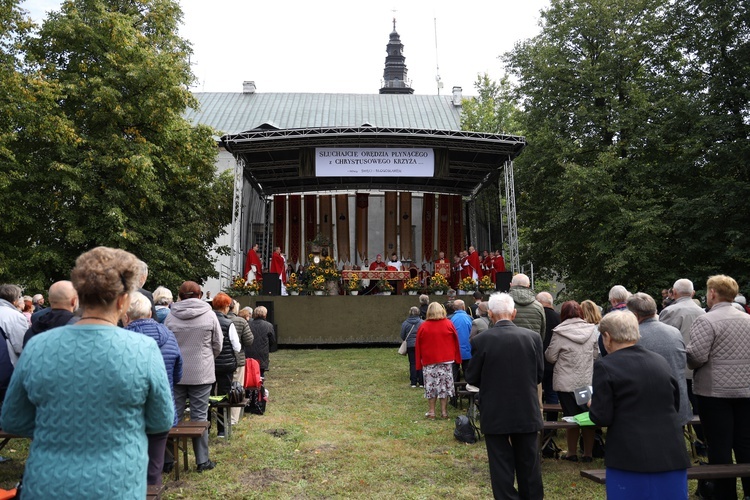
x,y
486,285
385,287
412,285
438,284
254,287
318,285
293,286
354,284
238,287
467,285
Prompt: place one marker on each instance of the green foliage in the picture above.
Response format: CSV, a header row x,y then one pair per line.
x,y
635,169
494,108
113,162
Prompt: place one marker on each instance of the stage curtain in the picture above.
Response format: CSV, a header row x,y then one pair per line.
x,y
326,217
311,222
404,221
279,222
295,227
391,213
342,227
428,227
458,226
363,203
444,219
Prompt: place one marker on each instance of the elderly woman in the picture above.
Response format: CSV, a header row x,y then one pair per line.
x,y
436,350
409,330
225,363
719,352
200,338
162,300
263,337
424,302
138,319
636,397
246,313
572,350
116,375
246,341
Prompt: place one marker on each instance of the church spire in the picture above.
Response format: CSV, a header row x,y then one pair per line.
x,y
394,75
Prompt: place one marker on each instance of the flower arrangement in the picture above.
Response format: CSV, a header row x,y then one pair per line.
x,y
438,283
318,284
255,287
325,268
412,284
354,283
240,287
293,285
384,286
486,284
467,284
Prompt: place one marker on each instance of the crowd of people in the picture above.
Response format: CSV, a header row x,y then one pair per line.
x,y
649,369
133,358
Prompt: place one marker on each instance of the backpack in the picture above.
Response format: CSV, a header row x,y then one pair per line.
x,y
551,450
465,431
257,400
252,374
236,393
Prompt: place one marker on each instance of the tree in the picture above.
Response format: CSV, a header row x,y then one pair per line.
x,y
590,194
494,111
134,174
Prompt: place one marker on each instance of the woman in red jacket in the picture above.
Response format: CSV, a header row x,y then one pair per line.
x,y
436,350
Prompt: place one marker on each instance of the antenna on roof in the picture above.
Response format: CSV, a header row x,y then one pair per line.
x,y
437,65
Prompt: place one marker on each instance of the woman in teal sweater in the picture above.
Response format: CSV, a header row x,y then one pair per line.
x,y
87,394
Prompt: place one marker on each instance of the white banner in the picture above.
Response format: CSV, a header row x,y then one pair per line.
x,y
374,162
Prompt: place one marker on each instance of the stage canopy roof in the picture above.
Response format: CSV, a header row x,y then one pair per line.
x,y
282,161
275,135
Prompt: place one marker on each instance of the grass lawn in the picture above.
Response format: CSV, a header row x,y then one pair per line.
x,y
344,423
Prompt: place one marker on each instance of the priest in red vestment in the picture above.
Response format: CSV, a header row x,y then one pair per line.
x,y
278,266
487,265
378,265
472,260
498,262
253,267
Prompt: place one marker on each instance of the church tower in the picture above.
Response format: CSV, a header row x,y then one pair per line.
x,y
394,75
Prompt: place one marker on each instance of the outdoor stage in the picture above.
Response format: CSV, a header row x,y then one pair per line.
x,y
338,319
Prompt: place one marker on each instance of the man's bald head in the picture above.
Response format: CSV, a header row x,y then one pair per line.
x,y
545,298
520,279
62,295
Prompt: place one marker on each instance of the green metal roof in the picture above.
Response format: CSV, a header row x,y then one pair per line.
x,y
236,112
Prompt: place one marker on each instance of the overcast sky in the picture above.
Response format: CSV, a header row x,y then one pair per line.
x,y
339,46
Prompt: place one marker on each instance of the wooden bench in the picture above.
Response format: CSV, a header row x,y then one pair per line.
x,y
716,471
5,438
180,434
154,491
223,412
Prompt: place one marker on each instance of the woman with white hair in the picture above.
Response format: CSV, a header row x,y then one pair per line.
x,y
636,397
138,319
162,300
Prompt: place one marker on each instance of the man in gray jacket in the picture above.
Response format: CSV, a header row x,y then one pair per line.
x,y
664,340
681,314
529,312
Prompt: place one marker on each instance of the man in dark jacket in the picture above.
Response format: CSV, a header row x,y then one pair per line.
x,y
552,319
507,366
63,301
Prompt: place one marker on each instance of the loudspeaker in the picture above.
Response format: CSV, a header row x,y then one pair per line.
x,y
503,281
271,284
269,307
